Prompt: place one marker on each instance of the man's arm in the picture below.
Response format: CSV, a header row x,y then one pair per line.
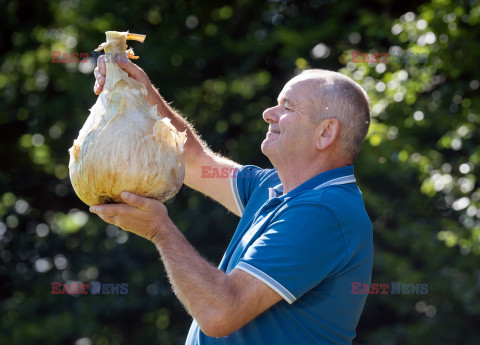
x,y
200,161
220,303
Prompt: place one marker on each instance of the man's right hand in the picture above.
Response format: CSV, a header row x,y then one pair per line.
x,y
133,71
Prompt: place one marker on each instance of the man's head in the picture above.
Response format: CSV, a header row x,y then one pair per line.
x,y
320,115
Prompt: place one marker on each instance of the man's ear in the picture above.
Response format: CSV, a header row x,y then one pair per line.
x,y
327,133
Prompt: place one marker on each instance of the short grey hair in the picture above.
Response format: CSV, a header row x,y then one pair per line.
x,y
338,96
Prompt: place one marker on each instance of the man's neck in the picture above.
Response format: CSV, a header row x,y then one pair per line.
x,y
293,175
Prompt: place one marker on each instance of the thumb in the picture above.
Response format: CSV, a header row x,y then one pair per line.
x,y
136,200
132,70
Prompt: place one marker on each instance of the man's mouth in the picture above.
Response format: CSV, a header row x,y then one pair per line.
x,y
273,131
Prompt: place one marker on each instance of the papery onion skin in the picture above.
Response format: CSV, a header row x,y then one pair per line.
x,y
125,145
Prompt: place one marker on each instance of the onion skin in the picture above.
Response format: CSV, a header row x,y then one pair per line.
x,y
125,145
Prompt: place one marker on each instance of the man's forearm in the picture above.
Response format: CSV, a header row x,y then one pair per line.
x,y
197,156
203,289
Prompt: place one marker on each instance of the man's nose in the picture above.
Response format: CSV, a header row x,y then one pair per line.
x,y
270,115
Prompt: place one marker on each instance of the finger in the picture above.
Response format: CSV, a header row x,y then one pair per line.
x,y
111,220
132,70
101,64
99,77
122,59
101,80
137,201
106,210
97,88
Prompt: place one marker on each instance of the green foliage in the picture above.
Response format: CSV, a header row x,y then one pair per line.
x,y
222,64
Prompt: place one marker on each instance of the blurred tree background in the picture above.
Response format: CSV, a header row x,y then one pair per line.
x,y
222,64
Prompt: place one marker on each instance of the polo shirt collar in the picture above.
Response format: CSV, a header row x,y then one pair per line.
x,y
334,176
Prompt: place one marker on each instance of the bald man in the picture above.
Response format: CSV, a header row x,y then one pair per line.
x,y
303,239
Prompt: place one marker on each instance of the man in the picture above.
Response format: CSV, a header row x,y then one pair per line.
x,y
304,236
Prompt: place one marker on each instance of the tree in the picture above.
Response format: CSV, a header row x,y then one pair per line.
x,y
417,169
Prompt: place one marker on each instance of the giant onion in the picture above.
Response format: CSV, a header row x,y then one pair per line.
x,y
125,145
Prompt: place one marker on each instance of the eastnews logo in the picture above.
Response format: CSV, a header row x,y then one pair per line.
x,y
213,172
385,57
93,288
394,288
84,57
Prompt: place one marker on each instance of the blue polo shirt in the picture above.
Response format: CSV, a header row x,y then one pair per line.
x,y
309,245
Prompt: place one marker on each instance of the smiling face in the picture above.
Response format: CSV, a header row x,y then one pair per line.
x,y
291,131
319,123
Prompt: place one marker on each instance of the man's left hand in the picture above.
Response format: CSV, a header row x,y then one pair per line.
x,y
143,216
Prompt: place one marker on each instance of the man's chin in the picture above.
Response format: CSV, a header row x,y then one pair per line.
x,y
267,147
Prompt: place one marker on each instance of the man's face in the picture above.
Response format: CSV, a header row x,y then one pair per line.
x,y
291,131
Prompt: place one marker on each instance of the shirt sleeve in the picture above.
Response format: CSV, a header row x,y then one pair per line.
x,y
300,248
244,183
